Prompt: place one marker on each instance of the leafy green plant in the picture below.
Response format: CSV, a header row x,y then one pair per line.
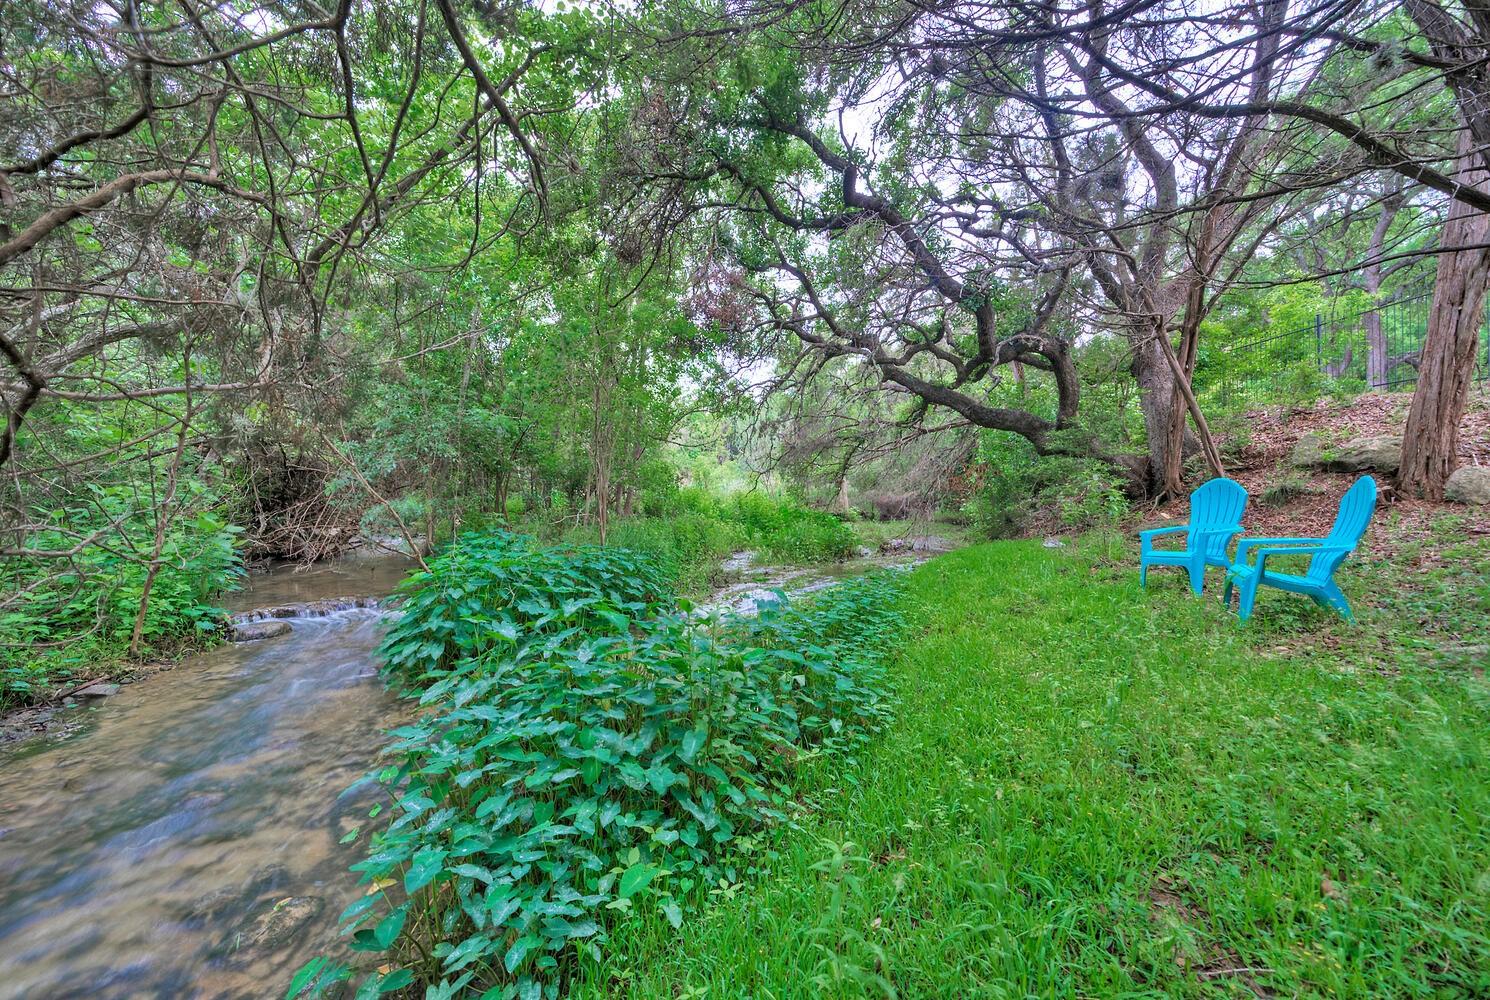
x,y
807,536
488,587
70,621
593,751
1021,488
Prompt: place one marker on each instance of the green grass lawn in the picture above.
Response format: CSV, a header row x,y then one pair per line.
x,y
1092,792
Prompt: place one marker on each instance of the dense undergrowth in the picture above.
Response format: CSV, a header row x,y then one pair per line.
x,y
593,754
59,623
688,531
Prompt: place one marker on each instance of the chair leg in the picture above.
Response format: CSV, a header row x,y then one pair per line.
x,y
1246,600
1143,574
1226,593
1197,577
1335,598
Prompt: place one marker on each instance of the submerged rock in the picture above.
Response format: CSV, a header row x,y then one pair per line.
x,y
254,631
918,543
270,925
277,925
1468,484
99,690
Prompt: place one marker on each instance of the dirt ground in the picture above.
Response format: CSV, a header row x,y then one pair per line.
x,y
1307,505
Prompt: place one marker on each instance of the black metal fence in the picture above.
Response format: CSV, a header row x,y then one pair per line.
x,y
1372,349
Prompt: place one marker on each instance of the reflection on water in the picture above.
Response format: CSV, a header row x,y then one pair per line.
x,y
288,584
185,844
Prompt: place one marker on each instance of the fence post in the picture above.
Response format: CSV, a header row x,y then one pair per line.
x,y
1318,342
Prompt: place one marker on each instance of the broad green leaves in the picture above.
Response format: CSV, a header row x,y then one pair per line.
x,y
593,755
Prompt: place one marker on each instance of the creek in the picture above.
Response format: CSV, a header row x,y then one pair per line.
x,y
182,837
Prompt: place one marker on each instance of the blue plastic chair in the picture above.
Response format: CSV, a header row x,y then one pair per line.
x,y
1215,519
1325,556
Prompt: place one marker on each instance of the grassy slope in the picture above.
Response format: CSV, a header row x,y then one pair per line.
x,y
1090,791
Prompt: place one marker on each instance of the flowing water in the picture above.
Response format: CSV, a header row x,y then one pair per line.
x,y
750,585
182,838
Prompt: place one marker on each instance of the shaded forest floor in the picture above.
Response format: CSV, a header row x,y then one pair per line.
x,y
1259,445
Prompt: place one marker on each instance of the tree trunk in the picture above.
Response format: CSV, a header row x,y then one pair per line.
x,y
602,496
1156,397
840,504
1430,445
502,485
1182,366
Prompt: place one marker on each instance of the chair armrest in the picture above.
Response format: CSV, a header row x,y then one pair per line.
x,y
1293,550
1247,543
1220,529
1146,538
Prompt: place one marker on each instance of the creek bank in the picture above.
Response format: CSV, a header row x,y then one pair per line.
x,y
256,612
932,544
63,711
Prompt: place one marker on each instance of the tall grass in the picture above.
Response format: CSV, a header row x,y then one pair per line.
x,y
696,529
1092,791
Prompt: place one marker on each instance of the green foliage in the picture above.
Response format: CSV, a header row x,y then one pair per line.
x,y
687,545
786,532
83,613
809,536
489,587
1155,803
1021,490
593,753
688,531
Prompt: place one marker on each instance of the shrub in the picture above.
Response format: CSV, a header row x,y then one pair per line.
x,y
784,531
1022,490
86,613
809,536
586,761
488,586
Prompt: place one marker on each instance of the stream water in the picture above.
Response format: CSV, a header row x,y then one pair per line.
x,y
182,837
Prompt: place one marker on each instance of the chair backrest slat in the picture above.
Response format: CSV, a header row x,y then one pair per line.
x,y
1216,503
1356,508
